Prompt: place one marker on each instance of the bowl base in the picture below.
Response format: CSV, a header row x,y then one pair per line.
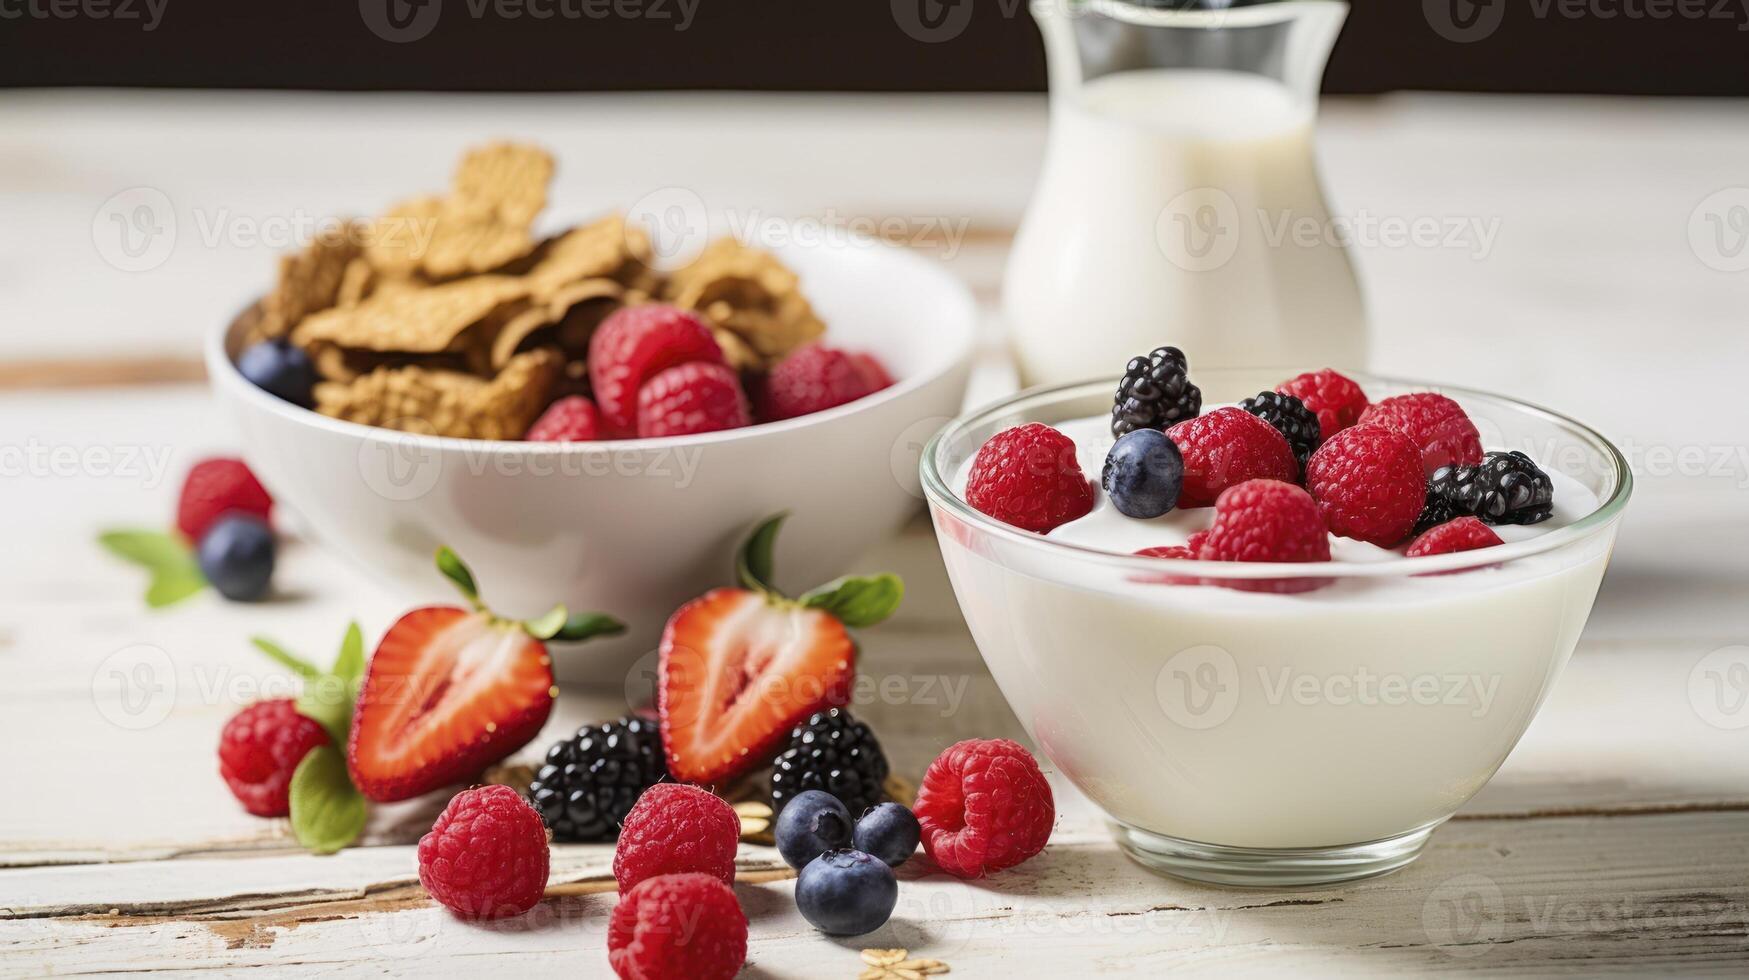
x,y
1269,867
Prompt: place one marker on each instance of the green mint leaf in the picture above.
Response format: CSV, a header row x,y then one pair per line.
x,y
153,549
172,585
587,626
285,658
327,811
327,700
349,663
453,569
858,601
545,626
753,564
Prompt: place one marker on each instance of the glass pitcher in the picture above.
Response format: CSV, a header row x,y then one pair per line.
x,y
1180,202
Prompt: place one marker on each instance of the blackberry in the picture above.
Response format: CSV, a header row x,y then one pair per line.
x,y
834,752
1291,418
1505,488
590,781
1437,510
1155,393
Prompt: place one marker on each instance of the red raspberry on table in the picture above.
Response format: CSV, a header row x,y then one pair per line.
x,y
486,856
1335,399
1462,534
216,487
570,419
1434,423
984,806
634,344
675,828
260,748
1267,520
816,378
692,398
1226,447
1028,476
1369,484
677,927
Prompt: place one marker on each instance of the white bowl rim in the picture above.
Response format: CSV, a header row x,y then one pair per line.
x,y
1607,511
962,310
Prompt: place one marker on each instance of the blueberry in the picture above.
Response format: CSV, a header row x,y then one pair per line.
x,y
810,824
1143,473
236,556
278,368
889,831
846,893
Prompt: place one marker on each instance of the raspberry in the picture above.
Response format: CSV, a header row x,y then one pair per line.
x,y
677,927
570,419
215,487
1463,534
874,373
1267,520
1369,484
1167,551
635,343
676,828
1226,447
1027,476
690,399
259,749
486,856
816,378
984,806
1337,400
1434,423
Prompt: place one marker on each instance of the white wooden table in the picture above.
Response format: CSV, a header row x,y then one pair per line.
x,y
1615,838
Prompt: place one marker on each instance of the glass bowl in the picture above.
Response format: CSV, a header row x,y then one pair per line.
x,y
1255,738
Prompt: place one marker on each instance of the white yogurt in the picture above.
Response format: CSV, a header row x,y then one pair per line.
x,y
1356,712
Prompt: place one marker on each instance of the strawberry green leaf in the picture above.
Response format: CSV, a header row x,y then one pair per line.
x,y
349,662
858,600
452,568
327,811
285,658
587,626
545,626
753,564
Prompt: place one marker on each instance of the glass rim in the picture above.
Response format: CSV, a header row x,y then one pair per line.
x,y
938,493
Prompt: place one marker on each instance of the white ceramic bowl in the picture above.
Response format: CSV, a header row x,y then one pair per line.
x,y
637,527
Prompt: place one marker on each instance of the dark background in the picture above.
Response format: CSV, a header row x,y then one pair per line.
x,y
1696,48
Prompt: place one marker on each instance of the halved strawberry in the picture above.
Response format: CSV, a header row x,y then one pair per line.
x,y
450,691
737,672
740,668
